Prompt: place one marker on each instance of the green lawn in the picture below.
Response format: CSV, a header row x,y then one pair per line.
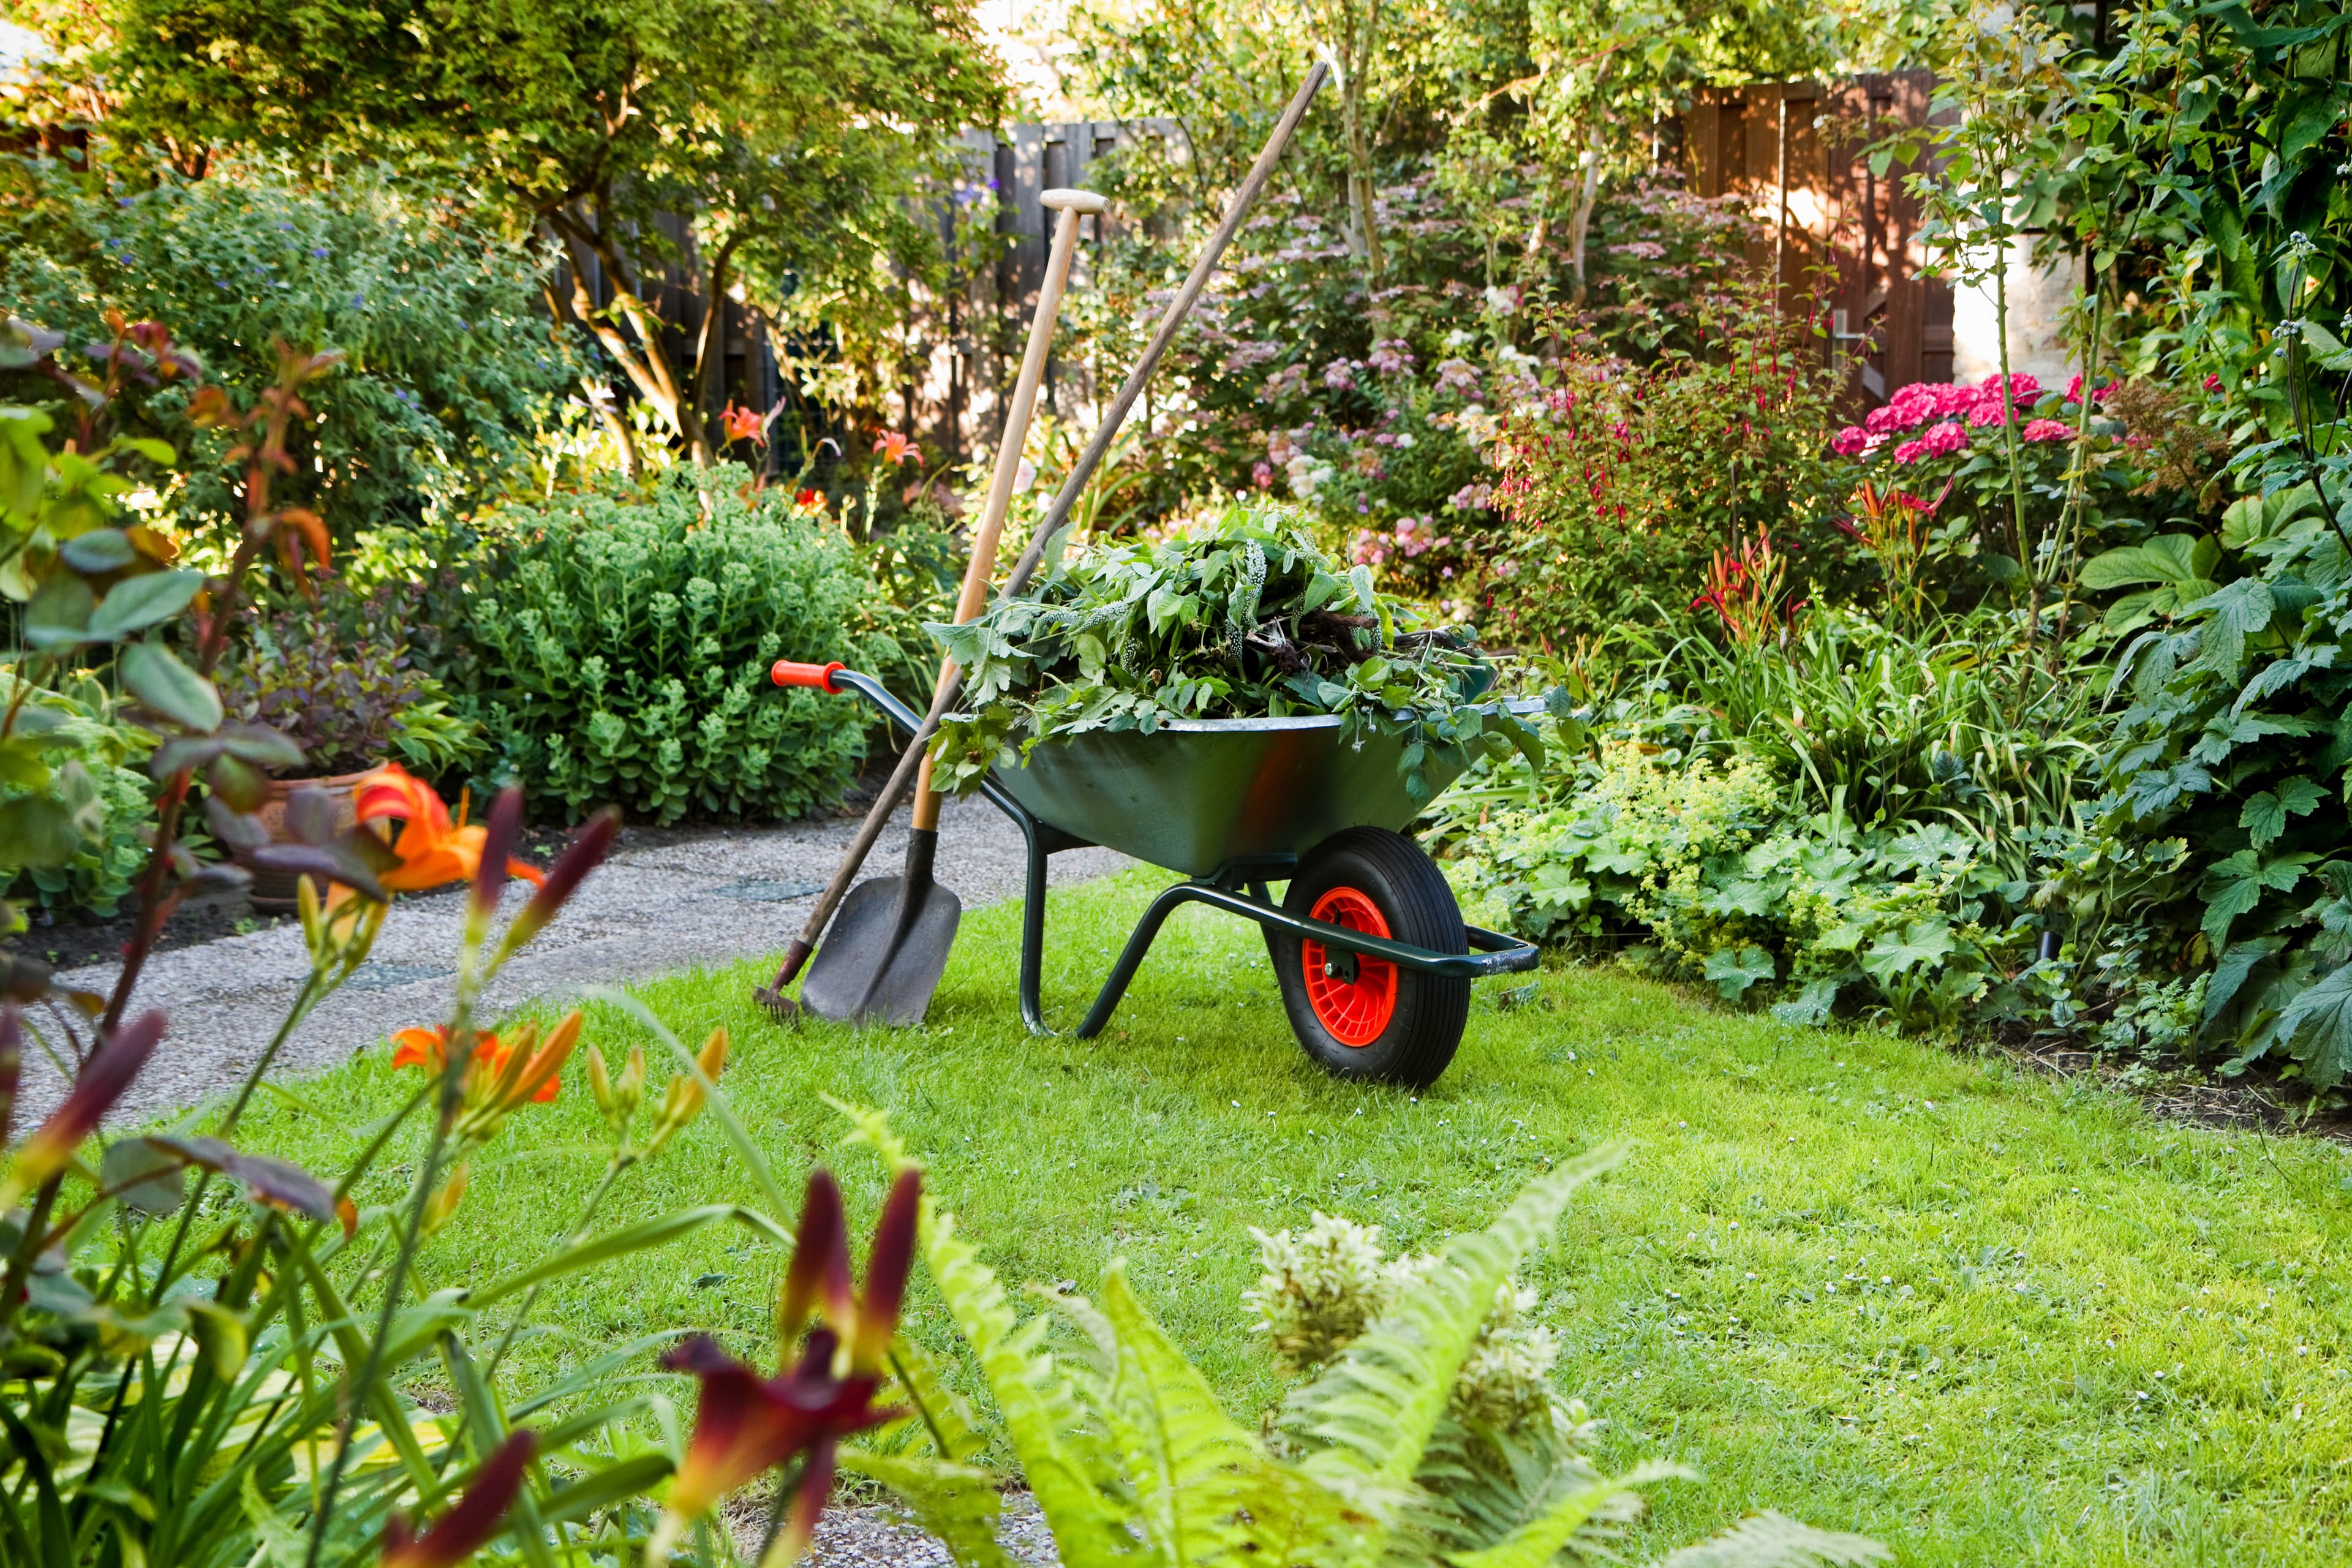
x,y
1884,1287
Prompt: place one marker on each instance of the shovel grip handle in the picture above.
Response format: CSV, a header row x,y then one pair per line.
x,y
818,677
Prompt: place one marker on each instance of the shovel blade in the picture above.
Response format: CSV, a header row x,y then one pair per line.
x,y
880,961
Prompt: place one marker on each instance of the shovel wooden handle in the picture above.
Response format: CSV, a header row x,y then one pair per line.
x,y
913,758
1017,414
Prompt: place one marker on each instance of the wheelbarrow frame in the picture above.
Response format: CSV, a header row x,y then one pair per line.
x,y
1237,886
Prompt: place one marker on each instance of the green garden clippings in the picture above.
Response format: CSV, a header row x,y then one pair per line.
x,y
1248,620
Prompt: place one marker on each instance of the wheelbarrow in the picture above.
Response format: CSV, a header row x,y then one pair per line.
x,y
1367,944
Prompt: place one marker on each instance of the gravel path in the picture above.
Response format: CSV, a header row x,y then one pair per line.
x,y
664,901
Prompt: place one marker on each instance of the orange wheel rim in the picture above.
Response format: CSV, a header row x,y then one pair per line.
x,y
1353,1012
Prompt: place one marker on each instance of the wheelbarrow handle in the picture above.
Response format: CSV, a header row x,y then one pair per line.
x,y
818,677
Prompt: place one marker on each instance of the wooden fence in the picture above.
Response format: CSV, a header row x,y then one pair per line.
x,y
1795,151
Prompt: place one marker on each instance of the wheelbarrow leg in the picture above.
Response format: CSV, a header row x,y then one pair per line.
x,y
1033,930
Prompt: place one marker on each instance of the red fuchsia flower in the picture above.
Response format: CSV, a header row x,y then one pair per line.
x,y
2048,429
893,447
469,1527
745,1424
744,423
101,1081
2212,383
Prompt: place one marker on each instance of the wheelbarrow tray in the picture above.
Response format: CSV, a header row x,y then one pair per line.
x,y
1198,795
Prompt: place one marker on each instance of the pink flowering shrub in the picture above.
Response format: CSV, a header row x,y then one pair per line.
x,y
1944,439
1384,410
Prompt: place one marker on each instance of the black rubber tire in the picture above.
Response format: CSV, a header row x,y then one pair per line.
x,y
1411,893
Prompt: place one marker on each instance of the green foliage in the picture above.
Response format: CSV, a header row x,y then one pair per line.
x,y
93,788
449,365
1622,481
1247,620
1858,817
337,679
784,132
1132,1460
617,648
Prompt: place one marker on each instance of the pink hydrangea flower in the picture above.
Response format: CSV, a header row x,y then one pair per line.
x,y
1262,475
2099,394
1942,440
1850,442
1391,356
1910,451
2050,429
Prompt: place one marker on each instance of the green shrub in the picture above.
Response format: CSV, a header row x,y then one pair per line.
x,y
92,757
450,363
617,649
337,679
1623,480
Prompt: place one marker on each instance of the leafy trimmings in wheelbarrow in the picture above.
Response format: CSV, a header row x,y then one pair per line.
x,y
1251,621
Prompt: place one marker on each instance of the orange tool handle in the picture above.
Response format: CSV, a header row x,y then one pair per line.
x,y
816,676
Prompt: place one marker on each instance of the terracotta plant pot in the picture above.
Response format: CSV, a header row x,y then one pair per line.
x,y
276,892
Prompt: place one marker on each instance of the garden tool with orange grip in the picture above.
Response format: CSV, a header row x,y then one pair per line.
x,y
884,962
884,956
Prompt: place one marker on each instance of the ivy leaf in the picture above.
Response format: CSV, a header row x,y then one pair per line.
x,y
1733,973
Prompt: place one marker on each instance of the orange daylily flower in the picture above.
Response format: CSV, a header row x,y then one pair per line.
x,y
894,449
503,1074
744,425
433,851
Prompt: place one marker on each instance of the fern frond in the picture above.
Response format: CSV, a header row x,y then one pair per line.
x,y
1776,1540
954,1429
1207,1490
1599,1502
1365,1421
1064,1457
957,1503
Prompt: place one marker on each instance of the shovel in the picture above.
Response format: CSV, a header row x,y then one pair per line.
x,y
771,996
884,956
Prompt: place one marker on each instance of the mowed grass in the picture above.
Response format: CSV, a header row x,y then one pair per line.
x,y
1883,1286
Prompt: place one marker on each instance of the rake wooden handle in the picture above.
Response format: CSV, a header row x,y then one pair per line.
x,y
1015,436
903,776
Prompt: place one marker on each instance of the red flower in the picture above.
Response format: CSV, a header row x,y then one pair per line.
x,y
744,1423
466,1527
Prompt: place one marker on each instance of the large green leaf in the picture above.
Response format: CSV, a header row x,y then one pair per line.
x,y
137,602
2317,1028
37,831
154,675
2174,558
1733,973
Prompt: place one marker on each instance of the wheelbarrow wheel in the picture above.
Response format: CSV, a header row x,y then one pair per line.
x,y
1365,1017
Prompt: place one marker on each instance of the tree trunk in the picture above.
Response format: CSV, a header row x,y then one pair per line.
x,y
711,349
638,351
1353,44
